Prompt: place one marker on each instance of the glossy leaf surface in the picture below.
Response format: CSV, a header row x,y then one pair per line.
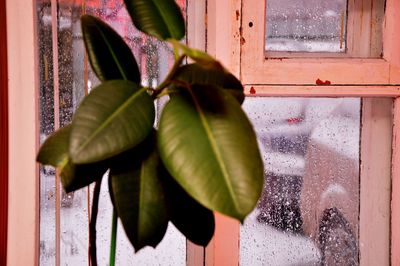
x,y
139,198
208,145
109,55
55,152
114,117
193,220
160,18
197,74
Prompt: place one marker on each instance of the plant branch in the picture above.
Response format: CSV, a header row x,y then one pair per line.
x,y
170,76
113,245
92,226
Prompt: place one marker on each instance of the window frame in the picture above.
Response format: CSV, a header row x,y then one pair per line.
x,y
241,49
257,69
23,183
224,17
3,135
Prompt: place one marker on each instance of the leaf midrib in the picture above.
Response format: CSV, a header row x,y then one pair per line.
x,y
169,27
109,46
109,119
215,149
141,179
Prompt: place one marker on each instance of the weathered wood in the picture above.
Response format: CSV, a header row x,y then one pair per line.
x,y
375,181
223,42
395,221
322,91
363,42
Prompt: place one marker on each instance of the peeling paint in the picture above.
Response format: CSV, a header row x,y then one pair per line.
x,y
322,83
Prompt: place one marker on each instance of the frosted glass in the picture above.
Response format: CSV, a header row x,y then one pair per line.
x,y
306,25
308,211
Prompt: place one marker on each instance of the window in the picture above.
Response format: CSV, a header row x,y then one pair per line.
x,y
306,26
317,176
65,78
366,75
229,38
360,63
337,28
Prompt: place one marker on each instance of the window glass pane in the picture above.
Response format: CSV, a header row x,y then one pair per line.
x,y
75,80
47,174
306,25
309,208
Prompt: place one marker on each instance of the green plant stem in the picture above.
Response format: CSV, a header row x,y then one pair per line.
x,y
113,245
92,226
170,76
175,47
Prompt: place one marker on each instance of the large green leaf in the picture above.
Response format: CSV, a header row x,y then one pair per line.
x,y
198,74
138,196
160,18
193,220
54,151
110,57
114,117
208,145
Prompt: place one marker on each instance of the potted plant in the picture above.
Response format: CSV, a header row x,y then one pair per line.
x,y
202,157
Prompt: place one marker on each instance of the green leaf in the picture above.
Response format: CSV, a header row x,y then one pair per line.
x,y
208,145
114,117
193,220
54,151
197,74
138,196
160,18
109,56
74,177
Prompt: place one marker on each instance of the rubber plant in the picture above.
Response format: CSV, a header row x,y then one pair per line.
x,y
202,157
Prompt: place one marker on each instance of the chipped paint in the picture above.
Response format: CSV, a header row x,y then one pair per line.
x,y
322,83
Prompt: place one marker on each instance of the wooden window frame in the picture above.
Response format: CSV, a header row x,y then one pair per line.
x,y
3,135
23,183
241,49
225,36
257,69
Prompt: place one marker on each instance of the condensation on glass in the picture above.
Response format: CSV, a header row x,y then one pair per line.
x,y
309,208
75,80
306,25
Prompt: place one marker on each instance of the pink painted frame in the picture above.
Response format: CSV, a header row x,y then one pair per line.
x,y
257,69
3,135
